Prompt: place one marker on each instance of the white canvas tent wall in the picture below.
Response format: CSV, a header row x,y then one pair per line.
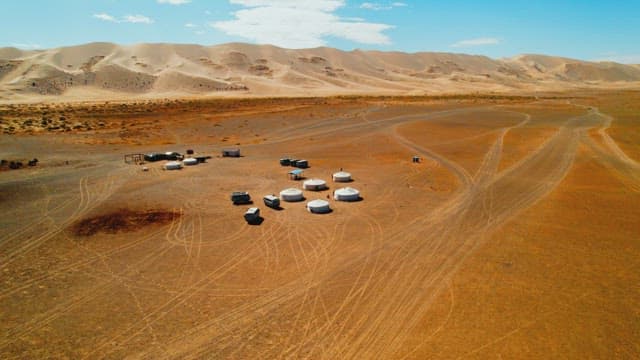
x,y
318,206
231,152
173,165
291,194
346,194
190,161
314,184
342,176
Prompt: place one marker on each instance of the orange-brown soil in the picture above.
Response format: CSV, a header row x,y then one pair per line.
x,y
122,220
515,236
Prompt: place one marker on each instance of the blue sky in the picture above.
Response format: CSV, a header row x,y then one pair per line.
x,y
589,30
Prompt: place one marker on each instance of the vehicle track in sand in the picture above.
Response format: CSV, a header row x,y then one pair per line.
x,y
424,259
610,155
89,198
364,305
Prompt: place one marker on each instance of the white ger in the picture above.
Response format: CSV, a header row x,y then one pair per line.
x,y
173,165
190,161
291,194
318,206
314,184
341,176
346,194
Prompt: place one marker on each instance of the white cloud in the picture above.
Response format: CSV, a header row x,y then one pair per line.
x,y
105,17
190,25
298,23
476,42
174,2
26,46
136,19
380,6
321,5
199,32
622,59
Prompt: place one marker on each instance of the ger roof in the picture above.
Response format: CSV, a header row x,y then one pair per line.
x,y
296,172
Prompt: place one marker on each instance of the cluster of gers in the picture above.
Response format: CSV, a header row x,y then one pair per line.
x,y
293,194
322,206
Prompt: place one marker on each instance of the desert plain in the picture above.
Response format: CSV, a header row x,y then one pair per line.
x,y
515,236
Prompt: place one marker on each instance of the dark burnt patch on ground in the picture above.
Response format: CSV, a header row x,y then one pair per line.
x,y
122,220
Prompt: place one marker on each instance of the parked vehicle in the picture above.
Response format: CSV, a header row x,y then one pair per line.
x,y
151,157
272,201
240,197
172,155
252,216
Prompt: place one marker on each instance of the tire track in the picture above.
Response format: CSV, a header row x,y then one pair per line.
x,y
425,260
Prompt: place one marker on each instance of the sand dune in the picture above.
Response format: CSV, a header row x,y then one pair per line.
x,y
263,70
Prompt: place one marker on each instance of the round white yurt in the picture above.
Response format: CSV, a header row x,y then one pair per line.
x,y
346,194
342,176
190,161
314,184
318,206
173,165
291,194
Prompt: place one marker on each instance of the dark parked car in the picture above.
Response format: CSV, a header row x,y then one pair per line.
x,y
241,197
172,155
272,201
154,157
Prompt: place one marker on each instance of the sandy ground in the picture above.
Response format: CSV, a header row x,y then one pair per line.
x,y
515,236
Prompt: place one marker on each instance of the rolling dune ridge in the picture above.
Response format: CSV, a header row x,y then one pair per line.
x,y
99,71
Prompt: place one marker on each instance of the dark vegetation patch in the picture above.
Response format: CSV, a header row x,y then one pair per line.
x,y
122,220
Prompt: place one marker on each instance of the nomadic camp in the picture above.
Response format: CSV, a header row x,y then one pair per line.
x,y
190,161
173,165
231,152
295,174
291,194
252,215
318,206
240,197
314,184
272,201
346,194
341,176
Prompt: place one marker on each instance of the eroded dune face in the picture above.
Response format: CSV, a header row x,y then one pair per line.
x,y
517,229
105,70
